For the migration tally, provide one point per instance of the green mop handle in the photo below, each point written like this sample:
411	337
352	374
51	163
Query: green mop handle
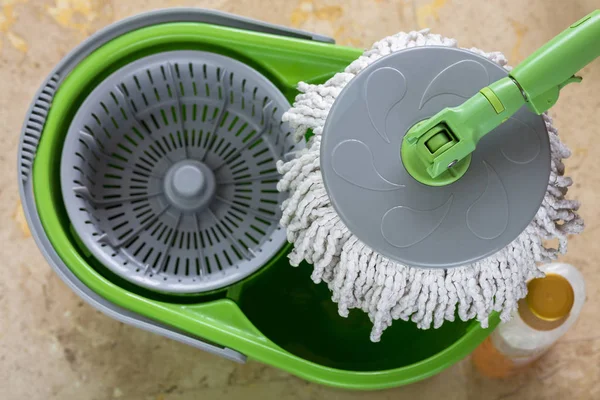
541	76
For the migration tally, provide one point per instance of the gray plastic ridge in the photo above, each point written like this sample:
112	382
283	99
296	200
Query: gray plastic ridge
405	220
33	126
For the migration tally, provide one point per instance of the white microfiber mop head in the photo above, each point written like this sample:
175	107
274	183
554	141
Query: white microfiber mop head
386	290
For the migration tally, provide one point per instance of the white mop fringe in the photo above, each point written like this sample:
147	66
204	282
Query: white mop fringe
360	278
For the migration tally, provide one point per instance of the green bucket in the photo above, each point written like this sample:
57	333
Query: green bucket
276	315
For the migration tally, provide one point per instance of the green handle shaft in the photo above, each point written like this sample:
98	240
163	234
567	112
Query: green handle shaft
552	66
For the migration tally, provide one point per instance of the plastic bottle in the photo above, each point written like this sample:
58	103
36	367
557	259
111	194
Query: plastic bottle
550	308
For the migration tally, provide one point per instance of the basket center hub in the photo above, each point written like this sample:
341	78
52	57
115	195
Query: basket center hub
188	181
189	185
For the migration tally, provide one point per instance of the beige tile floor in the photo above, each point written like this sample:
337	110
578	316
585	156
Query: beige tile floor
53	346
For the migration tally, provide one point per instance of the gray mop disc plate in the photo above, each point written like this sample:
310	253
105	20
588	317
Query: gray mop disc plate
402	219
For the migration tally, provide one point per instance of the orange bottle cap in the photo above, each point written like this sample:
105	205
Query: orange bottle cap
548	303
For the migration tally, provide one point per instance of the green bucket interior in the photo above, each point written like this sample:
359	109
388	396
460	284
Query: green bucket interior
278	315
299	316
